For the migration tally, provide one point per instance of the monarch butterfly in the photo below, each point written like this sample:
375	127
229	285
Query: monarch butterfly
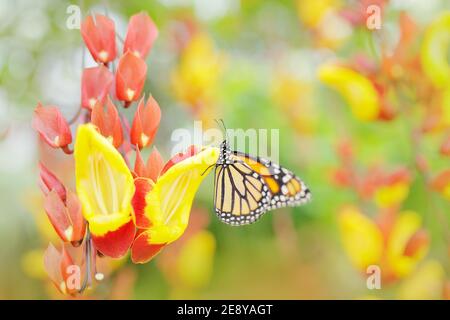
246	187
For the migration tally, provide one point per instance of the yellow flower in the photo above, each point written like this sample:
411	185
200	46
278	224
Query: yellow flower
358	91
396	251
323	17
361	238
169	202
196	77
105	187
311	13
426	283
406	226
434	52
295	97
391	195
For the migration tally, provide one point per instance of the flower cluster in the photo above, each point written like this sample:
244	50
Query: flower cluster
382	91
393	239
115	208
393	86
195	79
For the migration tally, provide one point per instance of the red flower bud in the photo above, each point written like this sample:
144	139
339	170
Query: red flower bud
130	77
99	34
145	123
95	85
140	169
66	218
51	126
153	167
342	177
141	34
108	122
400	175
57	265
387	112
441	181
48	182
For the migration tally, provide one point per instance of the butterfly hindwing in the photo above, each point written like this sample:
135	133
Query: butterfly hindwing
285	188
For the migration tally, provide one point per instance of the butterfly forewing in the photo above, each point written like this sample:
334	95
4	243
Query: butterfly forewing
239	194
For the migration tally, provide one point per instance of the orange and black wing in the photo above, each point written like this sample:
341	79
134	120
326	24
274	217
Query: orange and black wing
247	187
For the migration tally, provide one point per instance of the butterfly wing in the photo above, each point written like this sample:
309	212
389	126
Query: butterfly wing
248	187
240	194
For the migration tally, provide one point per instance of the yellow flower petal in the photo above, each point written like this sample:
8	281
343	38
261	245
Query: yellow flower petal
311	13
358	91
169	202
406	225
391	195
195	79
295	98
104	182
426	283
361	238
434	51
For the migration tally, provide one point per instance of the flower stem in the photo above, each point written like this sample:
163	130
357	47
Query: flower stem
88	260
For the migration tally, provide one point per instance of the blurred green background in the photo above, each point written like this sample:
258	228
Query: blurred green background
259	62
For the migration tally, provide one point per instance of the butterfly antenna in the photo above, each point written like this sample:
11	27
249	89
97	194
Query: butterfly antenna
207	169
221	124
224	128
217	122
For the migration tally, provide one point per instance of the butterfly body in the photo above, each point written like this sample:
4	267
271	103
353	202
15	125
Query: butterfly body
246	187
